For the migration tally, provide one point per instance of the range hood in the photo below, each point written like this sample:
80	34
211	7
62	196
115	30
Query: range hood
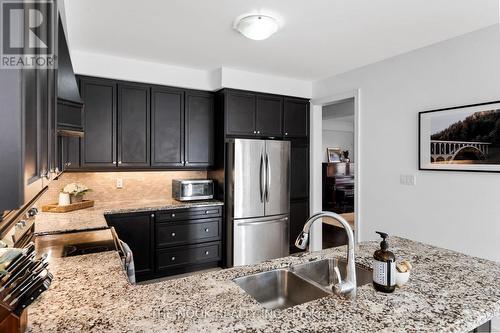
69	103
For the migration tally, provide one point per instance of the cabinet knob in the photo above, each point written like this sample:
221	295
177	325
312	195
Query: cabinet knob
173	214
173	234
173	258
286	133
206	229
254	132
258	132
152	215
207	253
119	162
114	162
187	162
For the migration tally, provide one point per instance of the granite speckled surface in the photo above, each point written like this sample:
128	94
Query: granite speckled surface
93	218
447	292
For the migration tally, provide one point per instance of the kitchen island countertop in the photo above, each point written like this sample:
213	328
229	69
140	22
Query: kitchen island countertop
447	292
93	218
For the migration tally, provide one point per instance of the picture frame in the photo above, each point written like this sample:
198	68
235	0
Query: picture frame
460	138
333	154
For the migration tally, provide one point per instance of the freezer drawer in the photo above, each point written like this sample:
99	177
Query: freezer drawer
260	239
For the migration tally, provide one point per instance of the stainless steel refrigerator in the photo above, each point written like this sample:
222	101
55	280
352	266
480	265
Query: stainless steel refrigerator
258	189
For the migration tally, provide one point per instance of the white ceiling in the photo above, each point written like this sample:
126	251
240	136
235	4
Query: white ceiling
319	38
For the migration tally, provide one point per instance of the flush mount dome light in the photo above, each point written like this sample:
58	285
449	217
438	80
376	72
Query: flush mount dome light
257	27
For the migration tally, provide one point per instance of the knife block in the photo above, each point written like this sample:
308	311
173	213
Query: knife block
11	323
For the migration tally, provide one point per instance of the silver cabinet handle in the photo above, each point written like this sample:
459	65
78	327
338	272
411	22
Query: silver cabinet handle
152	215
187	162
114	162
173	215
207	253
119	162
258	132
286	133
254	132
173	258
206	229
173	234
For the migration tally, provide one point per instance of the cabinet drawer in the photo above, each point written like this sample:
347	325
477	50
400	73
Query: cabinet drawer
189	213
187	255
185	232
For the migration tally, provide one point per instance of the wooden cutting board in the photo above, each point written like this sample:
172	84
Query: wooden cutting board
55	208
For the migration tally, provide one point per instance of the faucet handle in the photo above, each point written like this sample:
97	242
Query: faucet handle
337	286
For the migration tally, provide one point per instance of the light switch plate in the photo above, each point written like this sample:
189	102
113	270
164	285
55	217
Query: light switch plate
119	183
408	180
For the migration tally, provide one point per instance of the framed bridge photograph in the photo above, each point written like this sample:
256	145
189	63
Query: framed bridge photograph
462	138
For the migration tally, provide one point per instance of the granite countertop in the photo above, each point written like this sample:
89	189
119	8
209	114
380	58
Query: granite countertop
447	292
93	218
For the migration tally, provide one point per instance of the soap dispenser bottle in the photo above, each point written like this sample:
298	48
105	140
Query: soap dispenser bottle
384	267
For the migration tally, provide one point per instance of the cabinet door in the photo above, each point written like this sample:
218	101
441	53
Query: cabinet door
167	126
296	117
299	213
299	169
269	115
199	129
69	153
99	142
240	113
32	165
133	125
137	230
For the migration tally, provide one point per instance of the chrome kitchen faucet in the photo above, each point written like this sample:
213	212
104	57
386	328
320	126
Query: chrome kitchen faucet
347	287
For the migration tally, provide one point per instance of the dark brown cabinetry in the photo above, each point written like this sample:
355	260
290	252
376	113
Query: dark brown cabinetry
199	129
137	230
99	143
142	126
173	241
69	152
133	125
253	114
167	127
296	118
240	113
268	115
299	169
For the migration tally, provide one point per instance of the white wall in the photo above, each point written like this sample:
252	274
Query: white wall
114	67
449	209
343	140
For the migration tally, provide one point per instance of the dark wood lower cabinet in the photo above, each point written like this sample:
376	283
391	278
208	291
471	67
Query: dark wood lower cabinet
137	230
172	241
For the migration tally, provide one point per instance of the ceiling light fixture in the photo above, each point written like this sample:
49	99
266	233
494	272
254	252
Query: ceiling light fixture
257	27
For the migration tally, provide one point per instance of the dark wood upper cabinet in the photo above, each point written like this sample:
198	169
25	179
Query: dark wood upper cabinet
199	117
167	127
240	113
69	152
99	142
296	117
133	125
268	115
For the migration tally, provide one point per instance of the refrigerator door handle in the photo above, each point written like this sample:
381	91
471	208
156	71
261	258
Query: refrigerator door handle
268	177
261	176
241	224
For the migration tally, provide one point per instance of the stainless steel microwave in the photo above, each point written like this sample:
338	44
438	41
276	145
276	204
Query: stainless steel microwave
192	189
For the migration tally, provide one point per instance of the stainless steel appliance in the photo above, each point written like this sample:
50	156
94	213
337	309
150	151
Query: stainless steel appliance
192	189
258	192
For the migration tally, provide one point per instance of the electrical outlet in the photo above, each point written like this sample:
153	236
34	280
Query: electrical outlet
119	183
407	180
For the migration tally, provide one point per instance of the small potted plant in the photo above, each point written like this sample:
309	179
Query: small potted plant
76	191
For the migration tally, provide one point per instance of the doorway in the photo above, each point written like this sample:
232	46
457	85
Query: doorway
335	166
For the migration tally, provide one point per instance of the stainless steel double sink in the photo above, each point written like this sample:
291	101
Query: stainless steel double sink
283	288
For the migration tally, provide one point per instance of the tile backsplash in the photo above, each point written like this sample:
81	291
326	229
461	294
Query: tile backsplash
150	185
